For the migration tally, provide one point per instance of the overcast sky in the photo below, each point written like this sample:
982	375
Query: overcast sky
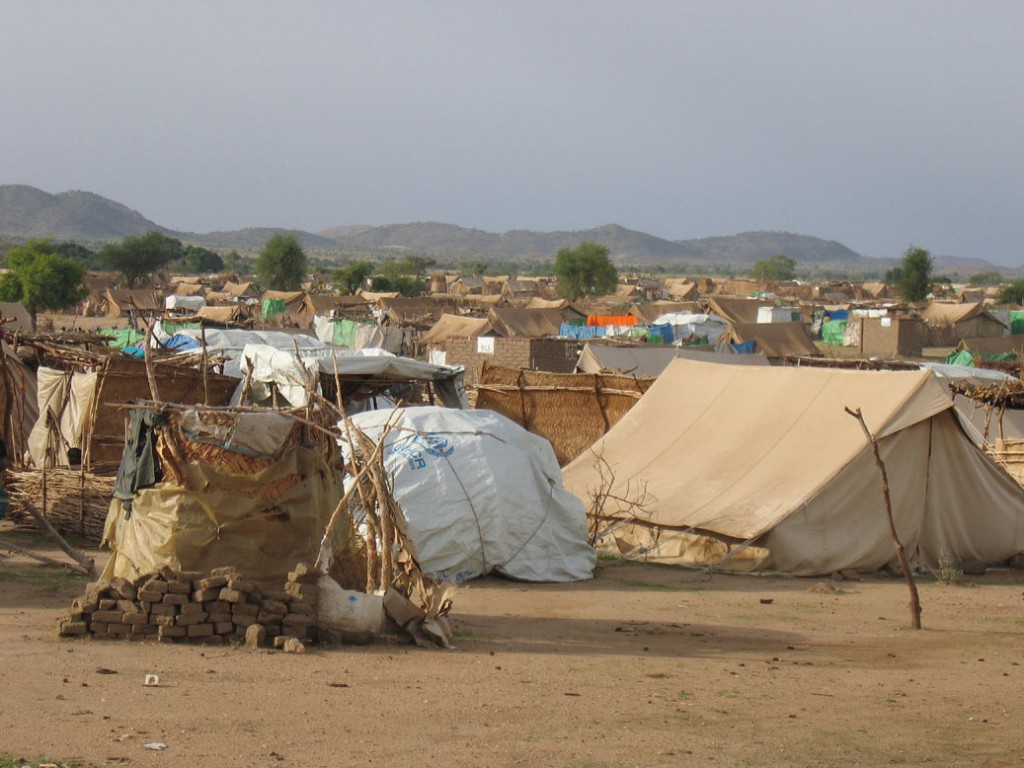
878	124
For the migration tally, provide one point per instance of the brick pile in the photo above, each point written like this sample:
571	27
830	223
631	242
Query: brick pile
182	606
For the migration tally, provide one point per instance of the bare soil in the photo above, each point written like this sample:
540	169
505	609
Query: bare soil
643	666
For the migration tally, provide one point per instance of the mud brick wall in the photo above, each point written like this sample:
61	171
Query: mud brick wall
904	336
553	355
183	606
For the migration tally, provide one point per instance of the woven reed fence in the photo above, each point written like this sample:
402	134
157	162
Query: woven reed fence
571	410
1010	455
74	502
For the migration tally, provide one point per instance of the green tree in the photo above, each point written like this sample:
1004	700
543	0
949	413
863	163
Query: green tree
474	267
585	270
915	276
281	265
197	260
1012	294
42	279
139	257
78	253
353	275
986	278
401	276
778	267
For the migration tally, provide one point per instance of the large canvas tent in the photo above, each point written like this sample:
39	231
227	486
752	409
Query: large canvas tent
761	468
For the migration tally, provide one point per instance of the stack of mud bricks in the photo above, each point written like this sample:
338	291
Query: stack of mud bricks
184	606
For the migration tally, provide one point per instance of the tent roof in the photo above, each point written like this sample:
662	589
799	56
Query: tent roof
17	314
776	339
736	310
997	345
651	361
947	314
758	441
526	322
448	326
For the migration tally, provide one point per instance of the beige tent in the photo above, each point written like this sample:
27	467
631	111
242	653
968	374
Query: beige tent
451	326
776	340
763	467
650	360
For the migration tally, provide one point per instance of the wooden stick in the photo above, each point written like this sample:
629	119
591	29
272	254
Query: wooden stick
915	600
43	558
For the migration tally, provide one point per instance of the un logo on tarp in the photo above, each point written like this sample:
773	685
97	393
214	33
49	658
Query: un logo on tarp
435	445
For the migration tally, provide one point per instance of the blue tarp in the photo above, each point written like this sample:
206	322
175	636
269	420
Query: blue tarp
838	314
664	331
580	331
743	347
181	341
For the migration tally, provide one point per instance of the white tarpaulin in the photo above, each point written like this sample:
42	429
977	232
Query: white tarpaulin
480	493
184	302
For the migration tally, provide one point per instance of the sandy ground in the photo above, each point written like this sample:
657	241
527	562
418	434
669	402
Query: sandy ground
643	666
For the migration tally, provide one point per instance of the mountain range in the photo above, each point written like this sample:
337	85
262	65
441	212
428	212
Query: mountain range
90	219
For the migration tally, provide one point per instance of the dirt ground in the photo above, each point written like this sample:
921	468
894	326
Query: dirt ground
643	666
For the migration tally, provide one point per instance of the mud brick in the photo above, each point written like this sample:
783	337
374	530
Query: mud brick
77	616
72	628
301	591
192	608
276	594
274	606
245	609
268	617
128	606
224	627
168	573
170	632
216	606
145	629
107	604
217	616
118	629
82	605
151	595
255	636
206	595
134	618
233	595
179	587
123	588
154	585
212	640
242	585
200	630
192	576
307	609
95	590
243	622
296	620
162	621
212	582
173	598
228	570
187	619
163	609
303	572
107	617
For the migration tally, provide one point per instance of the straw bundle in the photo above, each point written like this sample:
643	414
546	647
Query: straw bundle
74	502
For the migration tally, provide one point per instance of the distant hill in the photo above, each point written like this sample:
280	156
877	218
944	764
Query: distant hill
90	219
81	216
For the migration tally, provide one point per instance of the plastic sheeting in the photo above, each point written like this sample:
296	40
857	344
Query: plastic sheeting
481	494
687	326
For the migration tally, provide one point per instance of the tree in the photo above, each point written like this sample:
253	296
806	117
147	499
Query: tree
778	267
474	267
401	276
42	279
986	278
281	265
353	275
915	276
197	260
585	270
78	253
1012	294
139	257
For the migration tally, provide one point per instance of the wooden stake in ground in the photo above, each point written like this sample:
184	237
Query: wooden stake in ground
915	600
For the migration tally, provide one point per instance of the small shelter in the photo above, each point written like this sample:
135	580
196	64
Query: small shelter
949	323
775	340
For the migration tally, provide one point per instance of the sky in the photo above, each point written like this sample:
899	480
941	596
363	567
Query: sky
879	124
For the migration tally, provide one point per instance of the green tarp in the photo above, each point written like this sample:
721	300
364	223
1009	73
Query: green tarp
345	333
122	337
833	332
963	357
170	327
272	307
1016	321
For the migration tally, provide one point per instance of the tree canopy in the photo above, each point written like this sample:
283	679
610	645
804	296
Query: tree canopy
138	257
353	275
915	274
585	270
402	276
1012	293
281	265
198	260
778	267
979	279
42	279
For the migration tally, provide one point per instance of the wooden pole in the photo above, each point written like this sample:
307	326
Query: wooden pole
915	600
